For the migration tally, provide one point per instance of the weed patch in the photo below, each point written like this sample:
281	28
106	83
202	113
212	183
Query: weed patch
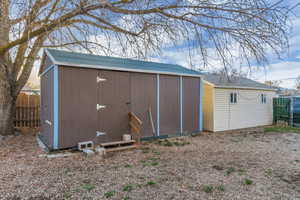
175	142
89	187
151	183
221	188
248	182
128	166
150	162
268	172
208	188
229	171
109	194
128	188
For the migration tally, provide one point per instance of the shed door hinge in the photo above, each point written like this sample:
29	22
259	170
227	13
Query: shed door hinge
99	133
99	79
99	107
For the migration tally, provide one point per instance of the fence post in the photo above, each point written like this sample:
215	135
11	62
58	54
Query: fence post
274	112
292	111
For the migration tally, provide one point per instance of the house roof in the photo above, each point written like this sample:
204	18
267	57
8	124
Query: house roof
59	57
222	81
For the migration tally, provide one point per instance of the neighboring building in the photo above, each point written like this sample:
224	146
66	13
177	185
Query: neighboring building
287	92
236	103
87	98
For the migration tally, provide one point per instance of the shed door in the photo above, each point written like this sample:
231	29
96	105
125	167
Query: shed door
47	107
113	105
78	118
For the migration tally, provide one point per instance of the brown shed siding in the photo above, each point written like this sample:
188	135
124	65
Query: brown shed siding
169	104
191	95
47	108
77	110
143	97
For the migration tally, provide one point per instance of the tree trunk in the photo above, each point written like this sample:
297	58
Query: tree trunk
7	108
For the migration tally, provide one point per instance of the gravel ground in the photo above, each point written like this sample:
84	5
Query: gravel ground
248	164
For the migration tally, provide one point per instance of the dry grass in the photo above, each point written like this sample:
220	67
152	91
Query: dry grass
210	166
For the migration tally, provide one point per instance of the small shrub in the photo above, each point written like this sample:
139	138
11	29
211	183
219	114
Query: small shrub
109	194
248	182
126	198
229	171
208	188
128	166
89	187
151	183
128	188
154	163
221	188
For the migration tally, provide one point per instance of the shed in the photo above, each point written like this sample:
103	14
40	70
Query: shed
236	103
88	97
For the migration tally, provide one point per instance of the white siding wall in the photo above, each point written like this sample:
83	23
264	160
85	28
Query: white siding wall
248	112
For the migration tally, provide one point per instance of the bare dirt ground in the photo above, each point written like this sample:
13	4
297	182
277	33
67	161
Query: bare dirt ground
248	164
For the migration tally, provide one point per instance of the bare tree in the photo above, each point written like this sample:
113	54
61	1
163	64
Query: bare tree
247	28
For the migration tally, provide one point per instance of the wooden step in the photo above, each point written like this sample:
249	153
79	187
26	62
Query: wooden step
121	148
117	143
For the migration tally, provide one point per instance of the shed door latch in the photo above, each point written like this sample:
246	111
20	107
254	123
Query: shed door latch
99	107
99	79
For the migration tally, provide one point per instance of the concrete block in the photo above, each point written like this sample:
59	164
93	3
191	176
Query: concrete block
88	152
101	151
85	145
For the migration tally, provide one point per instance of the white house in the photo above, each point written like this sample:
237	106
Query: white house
236	103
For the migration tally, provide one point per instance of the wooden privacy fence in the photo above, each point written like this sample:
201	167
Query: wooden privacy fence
27	111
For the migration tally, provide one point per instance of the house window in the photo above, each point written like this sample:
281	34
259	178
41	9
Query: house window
233	97
263	98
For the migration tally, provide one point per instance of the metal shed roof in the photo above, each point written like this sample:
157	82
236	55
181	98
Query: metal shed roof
221	81
67	58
